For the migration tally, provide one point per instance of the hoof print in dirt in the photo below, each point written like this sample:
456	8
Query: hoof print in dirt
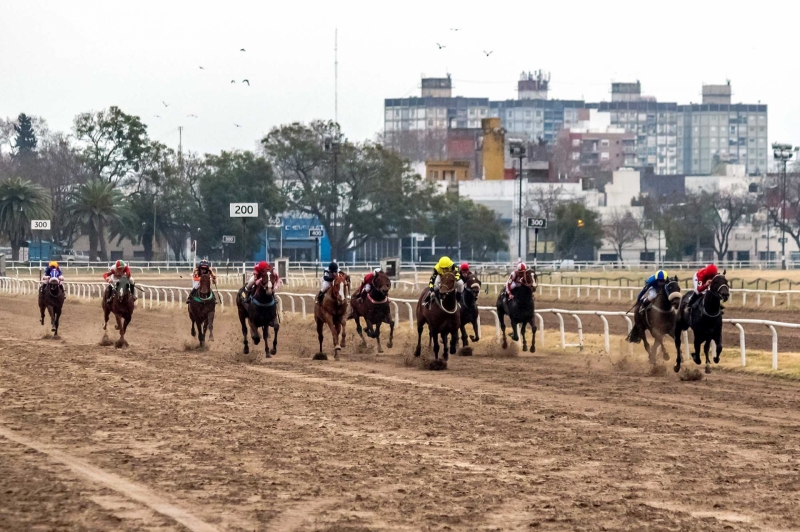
465	352
106	341
692	374
437	364
320	356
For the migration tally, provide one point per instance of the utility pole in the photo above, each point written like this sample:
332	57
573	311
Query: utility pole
517	149
336	75
180	150
782	153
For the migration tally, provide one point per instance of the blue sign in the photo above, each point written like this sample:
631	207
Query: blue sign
294	238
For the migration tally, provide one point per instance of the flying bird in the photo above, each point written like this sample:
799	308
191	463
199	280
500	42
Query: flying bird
242	50
165	103
201	68
233	81
440	46
454	29
237	125
192	116
488	53
157	116
246	81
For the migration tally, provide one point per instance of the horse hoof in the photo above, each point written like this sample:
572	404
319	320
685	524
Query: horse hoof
273	351
716	360
246	350
320	356
416	353
194	334
708	370
696	360
256	340
505	344
665	355
389	345
515	337
676	369
533	349
116	327
267	355
525	348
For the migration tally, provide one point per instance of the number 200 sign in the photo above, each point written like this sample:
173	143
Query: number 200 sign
244	210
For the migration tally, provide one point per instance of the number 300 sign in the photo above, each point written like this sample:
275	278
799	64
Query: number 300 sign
40	225
244	210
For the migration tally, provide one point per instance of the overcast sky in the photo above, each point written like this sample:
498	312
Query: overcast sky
59	58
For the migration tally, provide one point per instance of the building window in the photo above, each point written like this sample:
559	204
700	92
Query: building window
576	156
576	142
604	142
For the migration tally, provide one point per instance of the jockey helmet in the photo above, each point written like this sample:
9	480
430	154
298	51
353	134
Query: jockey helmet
333	267
204	264
261	266
53	264
445	263
712	269
120	264
522	267
464	267
377	270
661	275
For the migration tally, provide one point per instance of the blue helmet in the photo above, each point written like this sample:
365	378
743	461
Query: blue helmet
661	275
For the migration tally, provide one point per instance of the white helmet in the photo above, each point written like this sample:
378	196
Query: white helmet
377	270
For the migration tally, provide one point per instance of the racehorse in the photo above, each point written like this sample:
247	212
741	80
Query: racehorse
261	311
333	313
705	320
658	318
51	297
375	309
441	315
469	308
202	308
520	309
121	304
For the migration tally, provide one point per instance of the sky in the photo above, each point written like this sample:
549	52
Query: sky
60	58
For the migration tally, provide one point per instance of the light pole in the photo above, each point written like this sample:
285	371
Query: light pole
782	153
332	145
517	149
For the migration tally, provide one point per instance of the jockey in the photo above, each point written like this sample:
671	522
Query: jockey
651	287
463	270
444	265
53	271
204	267
258	269
327	279
117	271
366	284
515	276
702	279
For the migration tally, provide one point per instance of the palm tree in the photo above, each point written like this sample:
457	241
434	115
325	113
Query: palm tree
94	206
20	202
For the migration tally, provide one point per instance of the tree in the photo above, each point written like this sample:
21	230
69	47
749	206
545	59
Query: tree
772	200
20	202
95	206
25	141
359	192
728	208
621	230
579	230
112	143
231	177
481	230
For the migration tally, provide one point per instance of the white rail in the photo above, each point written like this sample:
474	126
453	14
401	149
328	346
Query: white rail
165	297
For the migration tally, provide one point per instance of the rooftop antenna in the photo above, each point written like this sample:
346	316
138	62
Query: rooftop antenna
336	75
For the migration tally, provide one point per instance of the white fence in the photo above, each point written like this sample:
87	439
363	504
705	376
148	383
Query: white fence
165	297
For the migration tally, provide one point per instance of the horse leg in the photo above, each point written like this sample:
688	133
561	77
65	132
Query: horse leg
41	310
193	331
696	354
453	343
254	332
244	334
514	333
275	328
359	330
420	326
650	353
464	339
678	356
201	334
335	332
533	335
106	313
435	339
378	337
211	326
524	327
706	347
502	317
51	313
319	334
477	336
265	330
391	332
343	332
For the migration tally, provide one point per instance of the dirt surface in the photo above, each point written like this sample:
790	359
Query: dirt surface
160	436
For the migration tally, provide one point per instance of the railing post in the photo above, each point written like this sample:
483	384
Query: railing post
561	328
541	327
410	317
741	343
606	339
580	331
498	334
774	347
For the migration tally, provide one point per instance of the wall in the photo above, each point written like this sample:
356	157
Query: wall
493	149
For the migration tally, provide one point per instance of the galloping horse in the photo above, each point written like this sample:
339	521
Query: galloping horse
202	308
658	318
469	308
441	315
333	313
51	297
520	309
705	320
121	304
375	310
261	311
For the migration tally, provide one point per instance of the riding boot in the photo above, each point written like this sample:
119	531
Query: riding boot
319	297
643	304
191	295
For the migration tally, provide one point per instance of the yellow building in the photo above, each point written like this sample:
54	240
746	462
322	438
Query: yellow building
450	171
494	140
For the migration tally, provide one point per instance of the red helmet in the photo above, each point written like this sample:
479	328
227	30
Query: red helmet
712	269
521	267
464	266
261	266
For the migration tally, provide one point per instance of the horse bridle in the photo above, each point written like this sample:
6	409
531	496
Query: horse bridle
716	292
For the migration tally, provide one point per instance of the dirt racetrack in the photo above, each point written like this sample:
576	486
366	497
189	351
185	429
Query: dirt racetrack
162	437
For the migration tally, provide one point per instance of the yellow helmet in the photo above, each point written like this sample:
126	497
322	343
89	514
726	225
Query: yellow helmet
53	264
445	263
